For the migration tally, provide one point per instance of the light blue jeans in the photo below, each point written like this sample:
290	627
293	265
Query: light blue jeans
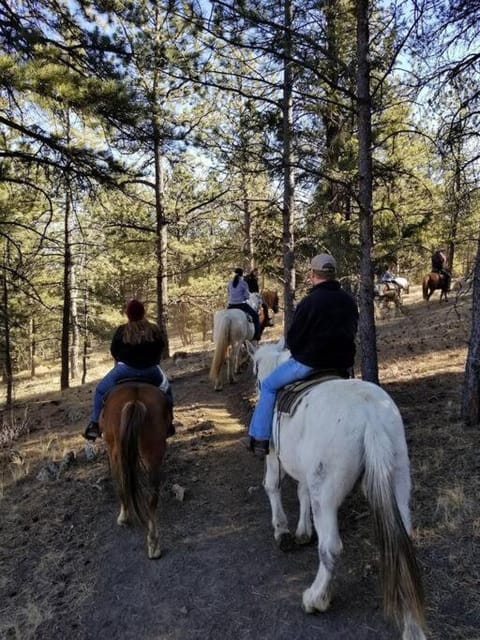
119	372
262	418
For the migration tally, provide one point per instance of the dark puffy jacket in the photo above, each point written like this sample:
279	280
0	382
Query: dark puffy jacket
252	282
438	261
322	334
138	356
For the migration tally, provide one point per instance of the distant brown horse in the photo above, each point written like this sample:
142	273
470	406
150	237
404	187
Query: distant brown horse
433	281
270	298
134	425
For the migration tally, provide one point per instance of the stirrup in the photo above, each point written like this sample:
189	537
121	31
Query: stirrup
261	448
92	432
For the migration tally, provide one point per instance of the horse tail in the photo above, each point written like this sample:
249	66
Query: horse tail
401	581
221	336
425	287
131	468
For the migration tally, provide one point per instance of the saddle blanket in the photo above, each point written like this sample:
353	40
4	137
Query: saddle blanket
289	397
163	386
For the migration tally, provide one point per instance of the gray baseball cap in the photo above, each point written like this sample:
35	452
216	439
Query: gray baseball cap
324	262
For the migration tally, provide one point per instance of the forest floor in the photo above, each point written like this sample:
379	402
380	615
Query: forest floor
68	571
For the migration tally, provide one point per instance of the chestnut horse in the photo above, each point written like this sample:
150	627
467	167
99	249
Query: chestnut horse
270	298
134	423
433	281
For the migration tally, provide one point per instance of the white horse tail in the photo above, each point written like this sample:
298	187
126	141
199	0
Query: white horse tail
221	331
401	581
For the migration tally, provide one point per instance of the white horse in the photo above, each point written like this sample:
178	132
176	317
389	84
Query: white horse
340	431
402	283
231	329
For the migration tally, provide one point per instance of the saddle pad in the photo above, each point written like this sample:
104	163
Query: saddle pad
127	381
289	396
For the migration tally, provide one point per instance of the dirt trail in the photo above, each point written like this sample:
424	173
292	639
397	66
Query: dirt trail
68	571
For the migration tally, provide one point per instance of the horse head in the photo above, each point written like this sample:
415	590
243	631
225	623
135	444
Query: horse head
267	357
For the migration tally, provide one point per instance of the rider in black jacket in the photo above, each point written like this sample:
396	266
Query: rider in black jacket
322	333
321	337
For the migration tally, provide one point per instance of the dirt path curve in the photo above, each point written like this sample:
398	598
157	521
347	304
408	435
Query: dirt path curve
71	572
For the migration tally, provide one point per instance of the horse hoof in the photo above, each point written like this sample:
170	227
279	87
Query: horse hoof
305	539
286	542
315	605
154	553
123	519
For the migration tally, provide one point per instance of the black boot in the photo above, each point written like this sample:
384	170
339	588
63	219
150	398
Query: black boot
92	432
260	448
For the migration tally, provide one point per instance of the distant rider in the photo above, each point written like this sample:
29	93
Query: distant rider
252	281
439	263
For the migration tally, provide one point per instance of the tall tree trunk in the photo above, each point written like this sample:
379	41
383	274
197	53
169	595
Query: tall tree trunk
471	383
161	239
161	242
369	364
75	346
7	368
85	335
67	268
33	345
249	246
458	204
288	172
337	197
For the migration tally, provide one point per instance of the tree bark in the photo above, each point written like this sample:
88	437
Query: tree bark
367	331
7	367
161	241
75	346
67	268
33	346
288	243
471	384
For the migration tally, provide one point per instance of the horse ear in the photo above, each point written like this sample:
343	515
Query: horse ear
251	349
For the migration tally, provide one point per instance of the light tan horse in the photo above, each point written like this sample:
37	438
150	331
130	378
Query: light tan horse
230	330
134	424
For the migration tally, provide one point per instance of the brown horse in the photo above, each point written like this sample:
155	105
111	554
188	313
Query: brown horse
433	281
134	424
270	298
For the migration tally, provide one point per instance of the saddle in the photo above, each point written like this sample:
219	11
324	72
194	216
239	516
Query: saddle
391	285
238	306
125	381
288	398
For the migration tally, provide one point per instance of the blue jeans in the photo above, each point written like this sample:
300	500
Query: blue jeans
119	372
289	371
